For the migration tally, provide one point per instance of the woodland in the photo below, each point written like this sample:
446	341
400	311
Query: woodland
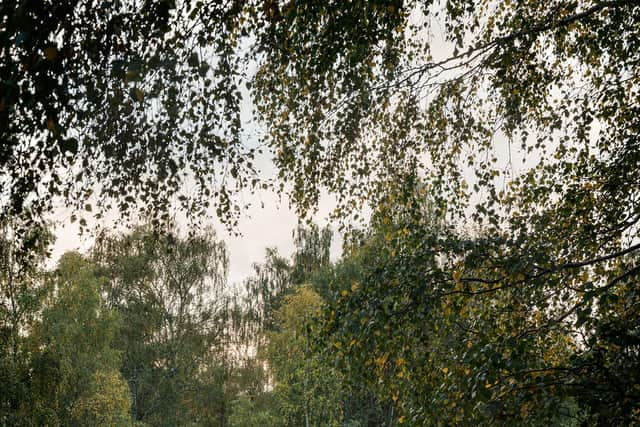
482	158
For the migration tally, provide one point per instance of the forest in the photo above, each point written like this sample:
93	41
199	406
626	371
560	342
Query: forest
481	160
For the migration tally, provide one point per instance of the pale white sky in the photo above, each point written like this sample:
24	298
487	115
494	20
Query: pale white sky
261	228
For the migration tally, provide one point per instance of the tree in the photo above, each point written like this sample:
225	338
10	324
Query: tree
22	288
306	392
245	414
277	277
312	252
447	325
168	290
294	384
359	101
541	82
129	99
107	402
441	354
355	96
359	95
74	377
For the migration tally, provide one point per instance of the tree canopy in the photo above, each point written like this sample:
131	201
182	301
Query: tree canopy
142	97
129	99
496	143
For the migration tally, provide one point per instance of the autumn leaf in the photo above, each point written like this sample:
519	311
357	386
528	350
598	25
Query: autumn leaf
138	94
51	53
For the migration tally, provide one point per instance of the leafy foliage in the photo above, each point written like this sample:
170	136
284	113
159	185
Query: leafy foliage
300	386
355	96
70	369
138	97
451	329
168	292
22	289
510	294
306	391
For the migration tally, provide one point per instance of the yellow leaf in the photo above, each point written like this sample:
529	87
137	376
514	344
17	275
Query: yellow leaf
456	275
139	94
51	53
401	419
130	76
382	360
354	286
445	370
344	293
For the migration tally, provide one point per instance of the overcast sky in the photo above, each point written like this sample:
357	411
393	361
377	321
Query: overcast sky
261	228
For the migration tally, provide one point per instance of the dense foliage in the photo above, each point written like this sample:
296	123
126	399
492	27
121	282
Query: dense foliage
142	97
145	331
58	365
496	144
301	386
168	292
129	99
